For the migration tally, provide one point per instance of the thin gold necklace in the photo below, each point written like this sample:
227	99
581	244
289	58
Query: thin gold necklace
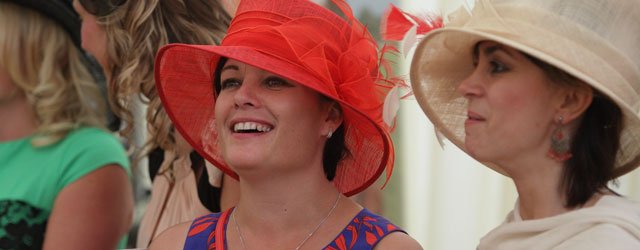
335	204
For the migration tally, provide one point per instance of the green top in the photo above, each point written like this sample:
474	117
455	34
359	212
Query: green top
32	177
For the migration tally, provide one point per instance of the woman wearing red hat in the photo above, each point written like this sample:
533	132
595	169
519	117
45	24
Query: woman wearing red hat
64	179
291	103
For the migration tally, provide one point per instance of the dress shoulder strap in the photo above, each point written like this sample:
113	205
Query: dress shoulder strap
204	231
364	232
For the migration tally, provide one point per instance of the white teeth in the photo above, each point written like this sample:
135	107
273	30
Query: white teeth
245	126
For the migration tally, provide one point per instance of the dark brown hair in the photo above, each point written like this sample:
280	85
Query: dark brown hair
594	145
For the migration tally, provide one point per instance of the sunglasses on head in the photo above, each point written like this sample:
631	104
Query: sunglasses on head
101	7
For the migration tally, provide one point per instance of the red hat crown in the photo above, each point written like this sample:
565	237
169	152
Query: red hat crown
341	55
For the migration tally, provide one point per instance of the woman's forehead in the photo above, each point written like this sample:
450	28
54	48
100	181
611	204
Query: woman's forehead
232	65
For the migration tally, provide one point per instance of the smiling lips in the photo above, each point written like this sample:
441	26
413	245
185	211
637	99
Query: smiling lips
251	127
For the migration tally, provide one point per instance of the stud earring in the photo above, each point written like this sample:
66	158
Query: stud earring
560	150
329	134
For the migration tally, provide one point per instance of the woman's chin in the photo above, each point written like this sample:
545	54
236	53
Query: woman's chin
241	164
474	151
470	148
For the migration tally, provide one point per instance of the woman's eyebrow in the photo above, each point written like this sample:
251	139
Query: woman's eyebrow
229	67
495	48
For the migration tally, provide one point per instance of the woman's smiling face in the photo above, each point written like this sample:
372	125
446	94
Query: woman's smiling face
265	119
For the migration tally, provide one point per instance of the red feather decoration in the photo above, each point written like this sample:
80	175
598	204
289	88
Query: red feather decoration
396	23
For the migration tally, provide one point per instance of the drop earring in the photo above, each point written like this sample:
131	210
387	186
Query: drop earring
560	150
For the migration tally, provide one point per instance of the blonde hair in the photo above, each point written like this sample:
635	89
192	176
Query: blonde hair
135	32
43	62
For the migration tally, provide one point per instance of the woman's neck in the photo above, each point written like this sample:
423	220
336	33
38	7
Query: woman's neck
540	189
538	182
279	212
19	119
543	201
284	200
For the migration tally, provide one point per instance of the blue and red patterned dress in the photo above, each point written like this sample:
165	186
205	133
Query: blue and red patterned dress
364	231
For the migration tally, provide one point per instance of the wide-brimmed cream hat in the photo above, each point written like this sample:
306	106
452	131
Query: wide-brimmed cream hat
597	41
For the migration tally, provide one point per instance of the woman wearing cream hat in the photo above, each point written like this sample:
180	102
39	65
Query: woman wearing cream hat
546	92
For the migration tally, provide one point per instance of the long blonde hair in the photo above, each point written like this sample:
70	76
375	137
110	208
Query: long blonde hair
135	32
43	62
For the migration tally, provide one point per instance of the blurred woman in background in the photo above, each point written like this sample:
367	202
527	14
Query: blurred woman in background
64	180
125	36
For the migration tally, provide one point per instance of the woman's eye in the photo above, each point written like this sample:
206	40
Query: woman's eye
230	83
276	83
498	67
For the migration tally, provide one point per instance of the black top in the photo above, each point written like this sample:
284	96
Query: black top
209	195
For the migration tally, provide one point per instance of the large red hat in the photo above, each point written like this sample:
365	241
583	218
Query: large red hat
305	43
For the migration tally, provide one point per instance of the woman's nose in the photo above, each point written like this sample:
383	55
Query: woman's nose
471	86
247	94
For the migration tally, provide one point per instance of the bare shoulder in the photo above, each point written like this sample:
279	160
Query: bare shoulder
398	240
171	239
103	197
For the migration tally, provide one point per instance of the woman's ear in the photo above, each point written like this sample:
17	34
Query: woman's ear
576	99
334	118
